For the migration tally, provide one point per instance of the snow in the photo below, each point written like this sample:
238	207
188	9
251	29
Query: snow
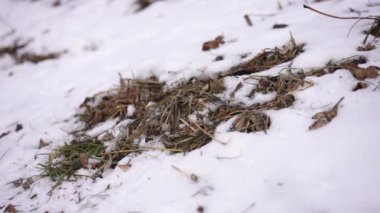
289	169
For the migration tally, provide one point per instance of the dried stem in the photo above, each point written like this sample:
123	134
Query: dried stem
376	18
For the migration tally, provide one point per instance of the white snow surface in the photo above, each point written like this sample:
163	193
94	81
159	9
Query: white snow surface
334	169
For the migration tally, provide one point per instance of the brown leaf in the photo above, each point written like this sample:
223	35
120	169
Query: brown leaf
362	73
360	85
26	185
213	44
83	157
124	167
367	47
42	144
10	209
323	118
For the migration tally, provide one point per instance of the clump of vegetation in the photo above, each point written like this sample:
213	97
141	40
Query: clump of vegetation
19	55
251	121
268	58
115	103
182	118
66	160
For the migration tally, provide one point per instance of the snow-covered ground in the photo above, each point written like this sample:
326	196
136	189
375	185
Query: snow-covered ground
333	169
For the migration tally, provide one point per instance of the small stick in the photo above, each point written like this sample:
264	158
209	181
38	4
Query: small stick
248	20
340	17
192	177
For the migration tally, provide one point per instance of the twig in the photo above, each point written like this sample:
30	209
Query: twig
192	176
248	20
144	148
376	18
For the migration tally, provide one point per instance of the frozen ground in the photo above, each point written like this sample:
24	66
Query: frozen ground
335	169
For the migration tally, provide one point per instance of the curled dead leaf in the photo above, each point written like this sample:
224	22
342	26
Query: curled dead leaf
360	85
323	118
251	121
213	44
10	209
362	73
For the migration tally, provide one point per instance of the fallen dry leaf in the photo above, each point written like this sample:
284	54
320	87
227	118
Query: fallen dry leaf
26	185
323	118
360	85
10	209
362	73
42	144
213	44
124	167
83	157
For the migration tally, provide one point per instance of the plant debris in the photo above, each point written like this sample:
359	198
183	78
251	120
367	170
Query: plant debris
367	47
213	44
323	118
360	85
251	121
280	102
331	66
114	104
268	59
362	73
4	134
248	20
281	84
181	118
10	209
200	209
19	55
42	144
279	26
219	58
18	127
375	28
143	4
27	183
191	176
66	160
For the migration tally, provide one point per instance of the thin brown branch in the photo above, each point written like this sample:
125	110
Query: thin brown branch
341	17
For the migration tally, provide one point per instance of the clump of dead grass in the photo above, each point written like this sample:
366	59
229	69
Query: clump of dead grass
115	103
268	58
332	66
251	121
182	118
19	55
